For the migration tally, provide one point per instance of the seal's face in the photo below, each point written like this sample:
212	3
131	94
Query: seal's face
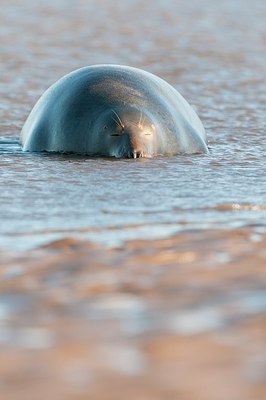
129	133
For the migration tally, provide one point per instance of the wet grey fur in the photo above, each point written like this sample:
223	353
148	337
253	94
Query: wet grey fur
110	110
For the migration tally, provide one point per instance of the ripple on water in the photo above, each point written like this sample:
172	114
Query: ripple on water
48	197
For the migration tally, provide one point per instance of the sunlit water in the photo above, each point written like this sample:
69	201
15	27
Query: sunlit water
213	58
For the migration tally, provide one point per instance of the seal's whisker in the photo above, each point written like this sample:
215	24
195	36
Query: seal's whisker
119	119
117	122
135	123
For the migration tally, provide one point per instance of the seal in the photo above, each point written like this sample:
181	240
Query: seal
113	111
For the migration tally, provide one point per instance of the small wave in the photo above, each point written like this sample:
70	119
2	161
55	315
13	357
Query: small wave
8	140
227	207
239	207
9	145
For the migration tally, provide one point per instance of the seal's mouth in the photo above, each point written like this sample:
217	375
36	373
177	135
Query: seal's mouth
132	154
136	154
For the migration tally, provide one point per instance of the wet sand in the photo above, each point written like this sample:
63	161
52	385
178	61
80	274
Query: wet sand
177	318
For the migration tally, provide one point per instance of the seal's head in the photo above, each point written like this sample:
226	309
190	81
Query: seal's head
127	133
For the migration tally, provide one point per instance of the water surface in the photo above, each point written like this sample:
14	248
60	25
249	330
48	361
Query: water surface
204	51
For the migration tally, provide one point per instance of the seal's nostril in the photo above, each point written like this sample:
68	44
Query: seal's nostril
137	154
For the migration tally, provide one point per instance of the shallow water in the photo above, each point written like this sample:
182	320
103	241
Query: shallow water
47	197
211	57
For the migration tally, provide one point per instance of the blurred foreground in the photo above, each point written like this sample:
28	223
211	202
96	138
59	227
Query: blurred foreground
177	318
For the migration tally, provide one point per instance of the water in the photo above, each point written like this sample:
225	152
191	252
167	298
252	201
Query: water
211	57
46	197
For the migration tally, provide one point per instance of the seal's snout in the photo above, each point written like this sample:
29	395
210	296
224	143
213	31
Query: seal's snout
138	146
129	133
